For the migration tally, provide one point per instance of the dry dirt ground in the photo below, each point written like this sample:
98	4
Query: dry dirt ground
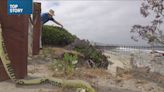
101	80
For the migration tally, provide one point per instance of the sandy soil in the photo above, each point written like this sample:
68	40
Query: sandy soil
101	80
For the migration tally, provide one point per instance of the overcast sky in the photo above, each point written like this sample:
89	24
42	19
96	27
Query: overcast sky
105	21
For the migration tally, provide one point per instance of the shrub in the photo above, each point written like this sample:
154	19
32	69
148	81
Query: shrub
67	65
70	62
90	52
93	54
53	35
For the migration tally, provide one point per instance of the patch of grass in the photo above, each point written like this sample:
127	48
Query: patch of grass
57	65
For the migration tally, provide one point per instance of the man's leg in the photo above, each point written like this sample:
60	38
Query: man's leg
30	38
41	37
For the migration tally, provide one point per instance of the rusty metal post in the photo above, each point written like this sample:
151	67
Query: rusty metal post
36	28
15	32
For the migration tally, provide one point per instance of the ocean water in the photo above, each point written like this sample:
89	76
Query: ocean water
142	57
140	49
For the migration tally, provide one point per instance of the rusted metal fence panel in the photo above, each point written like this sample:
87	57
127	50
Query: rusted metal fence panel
36	27
15	32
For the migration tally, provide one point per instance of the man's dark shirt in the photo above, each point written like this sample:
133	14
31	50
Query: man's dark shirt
45	18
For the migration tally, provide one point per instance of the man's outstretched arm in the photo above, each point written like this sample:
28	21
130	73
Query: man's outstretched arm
57	23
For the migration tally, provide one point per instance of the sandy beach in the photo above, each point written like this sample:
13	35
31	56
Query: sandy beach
101	80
